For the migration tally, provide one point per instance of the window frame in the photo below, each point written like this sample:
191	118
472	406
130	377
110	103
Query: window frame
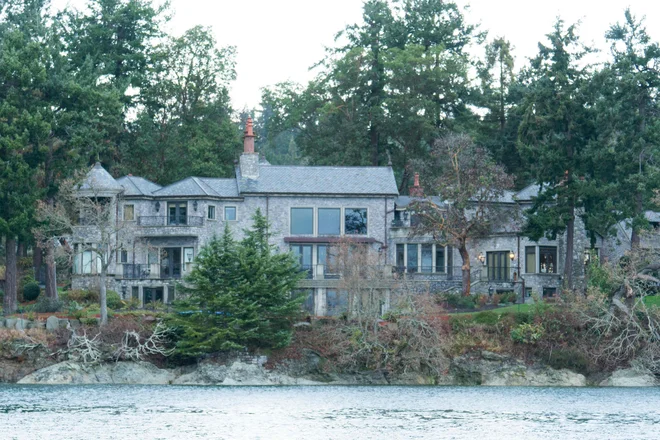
224	213
313	222
555	253
211	212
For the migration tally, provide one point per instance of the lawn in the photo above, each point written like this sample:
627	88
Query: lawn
652	301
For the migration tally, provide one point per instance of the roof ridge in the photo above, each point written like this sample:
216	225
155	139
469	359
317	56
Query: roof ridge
133	183
197	181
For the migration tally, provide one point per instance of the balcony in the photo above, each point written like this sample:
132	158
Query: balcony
161	220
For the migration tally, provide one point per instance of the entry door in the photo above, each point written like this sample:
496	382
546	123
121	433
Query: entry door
152	294
303	253
498	266
177	213
170	263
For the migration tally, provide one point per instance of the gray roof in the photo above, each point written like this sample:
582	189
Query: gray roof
528	192
99	180
137	186
321	180
200	186
403	201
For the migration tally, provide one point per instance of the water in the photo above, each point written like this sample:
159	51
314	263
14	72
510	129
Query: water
355	413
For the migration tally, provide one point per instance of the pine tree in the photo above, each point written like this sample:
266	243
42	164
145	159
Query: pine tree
239	295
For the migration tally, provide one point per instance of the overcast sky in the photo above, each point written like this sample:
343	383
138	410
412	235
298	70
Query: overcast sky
279	40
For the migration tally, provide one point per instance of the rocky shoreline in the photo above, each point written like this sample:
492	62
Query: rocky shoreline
482	368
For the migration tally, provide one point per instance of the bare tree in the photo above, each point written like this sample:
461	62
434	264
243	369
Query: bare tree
85	215
469	185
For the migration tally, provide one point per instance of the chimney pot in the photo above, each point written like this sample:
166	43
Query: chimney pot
248	140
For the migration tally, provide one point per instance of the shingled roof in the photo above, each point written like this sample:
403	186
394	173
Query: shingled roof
199	186
137	186
99	181
320	180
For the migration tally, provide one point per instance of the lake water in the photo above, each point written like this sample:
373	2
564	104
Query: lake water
355	413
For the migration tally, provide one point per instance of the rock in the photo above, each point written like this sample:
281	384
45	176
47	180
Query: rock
492	369
11	322
63	323
21	324
2	322
203	374
75	323
631	377
52	323
38	324
137	373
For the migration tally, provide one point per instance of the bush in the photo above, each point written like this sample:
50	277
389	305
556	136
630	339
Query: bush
31	291
2	296
458	301
81	296
113	300
527	333
496	299
482	300
487	318
47	305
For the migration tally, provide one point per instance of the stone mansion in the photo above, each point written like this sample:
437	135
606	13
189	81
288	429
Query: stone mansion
310	209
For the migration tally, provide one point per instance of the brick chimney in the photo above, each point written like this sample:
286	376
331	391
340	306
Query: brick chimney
416	190
249	163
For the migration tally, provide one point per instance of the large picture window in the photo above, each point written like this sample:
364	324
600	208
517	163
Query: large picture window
329	221
230	213
302	221
355	221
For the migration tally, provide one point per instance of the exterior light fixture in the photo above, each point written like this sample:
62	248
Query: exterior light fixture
157	206
481	257
195	205
512	255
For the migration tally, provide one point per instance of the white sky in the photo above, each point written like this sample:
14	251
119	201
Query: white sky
279	40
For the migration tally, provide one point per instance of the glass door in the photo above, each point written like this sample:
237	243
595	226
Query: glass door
170	263
177	213
498	265
303	253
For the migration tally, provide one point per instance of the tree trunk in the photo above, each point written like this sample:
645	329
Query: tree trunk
103	297
634	237
570	245
465	268
51	273
10	303
37	260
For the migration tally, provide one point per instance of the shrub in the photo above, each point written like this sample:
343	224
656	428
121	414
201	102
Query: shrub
522	318
459	301
81	296
90	322
482	300
2	296
113	300
31	291
131	304
527	333
496	299
487	318
47	305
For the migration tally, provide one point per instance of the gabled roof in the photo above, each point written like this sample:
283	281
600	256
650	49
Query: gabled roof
99	181
404	201
137	186
321	180
199	186
529	192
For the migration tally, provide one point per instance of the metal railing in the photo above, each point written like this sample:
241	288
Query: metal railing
161	220
499	274
136	271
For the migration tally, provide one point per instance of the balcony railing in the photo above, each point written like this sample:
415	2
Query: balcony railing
162	220
499	274
151	271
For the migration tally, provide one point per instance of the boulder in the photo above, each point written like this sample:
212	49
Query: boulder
69	372
21	324
2	322
52	323
63	323
11	322
205	373
631	377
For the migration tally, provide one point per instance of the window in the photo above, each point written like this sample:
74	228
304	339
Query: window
439	259
303	253
302	221
548	259
415	220
355	221
329	222
549	291
400	257
188	257
122	256
498	265
211	212
135	292
427	258
337	302
87	262
152	256
528	292
230	213
177	213
129	212
530	259
413	258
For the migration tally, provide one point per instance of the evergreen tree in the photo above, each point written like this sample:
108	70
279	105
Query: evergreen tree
239	295
556	128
